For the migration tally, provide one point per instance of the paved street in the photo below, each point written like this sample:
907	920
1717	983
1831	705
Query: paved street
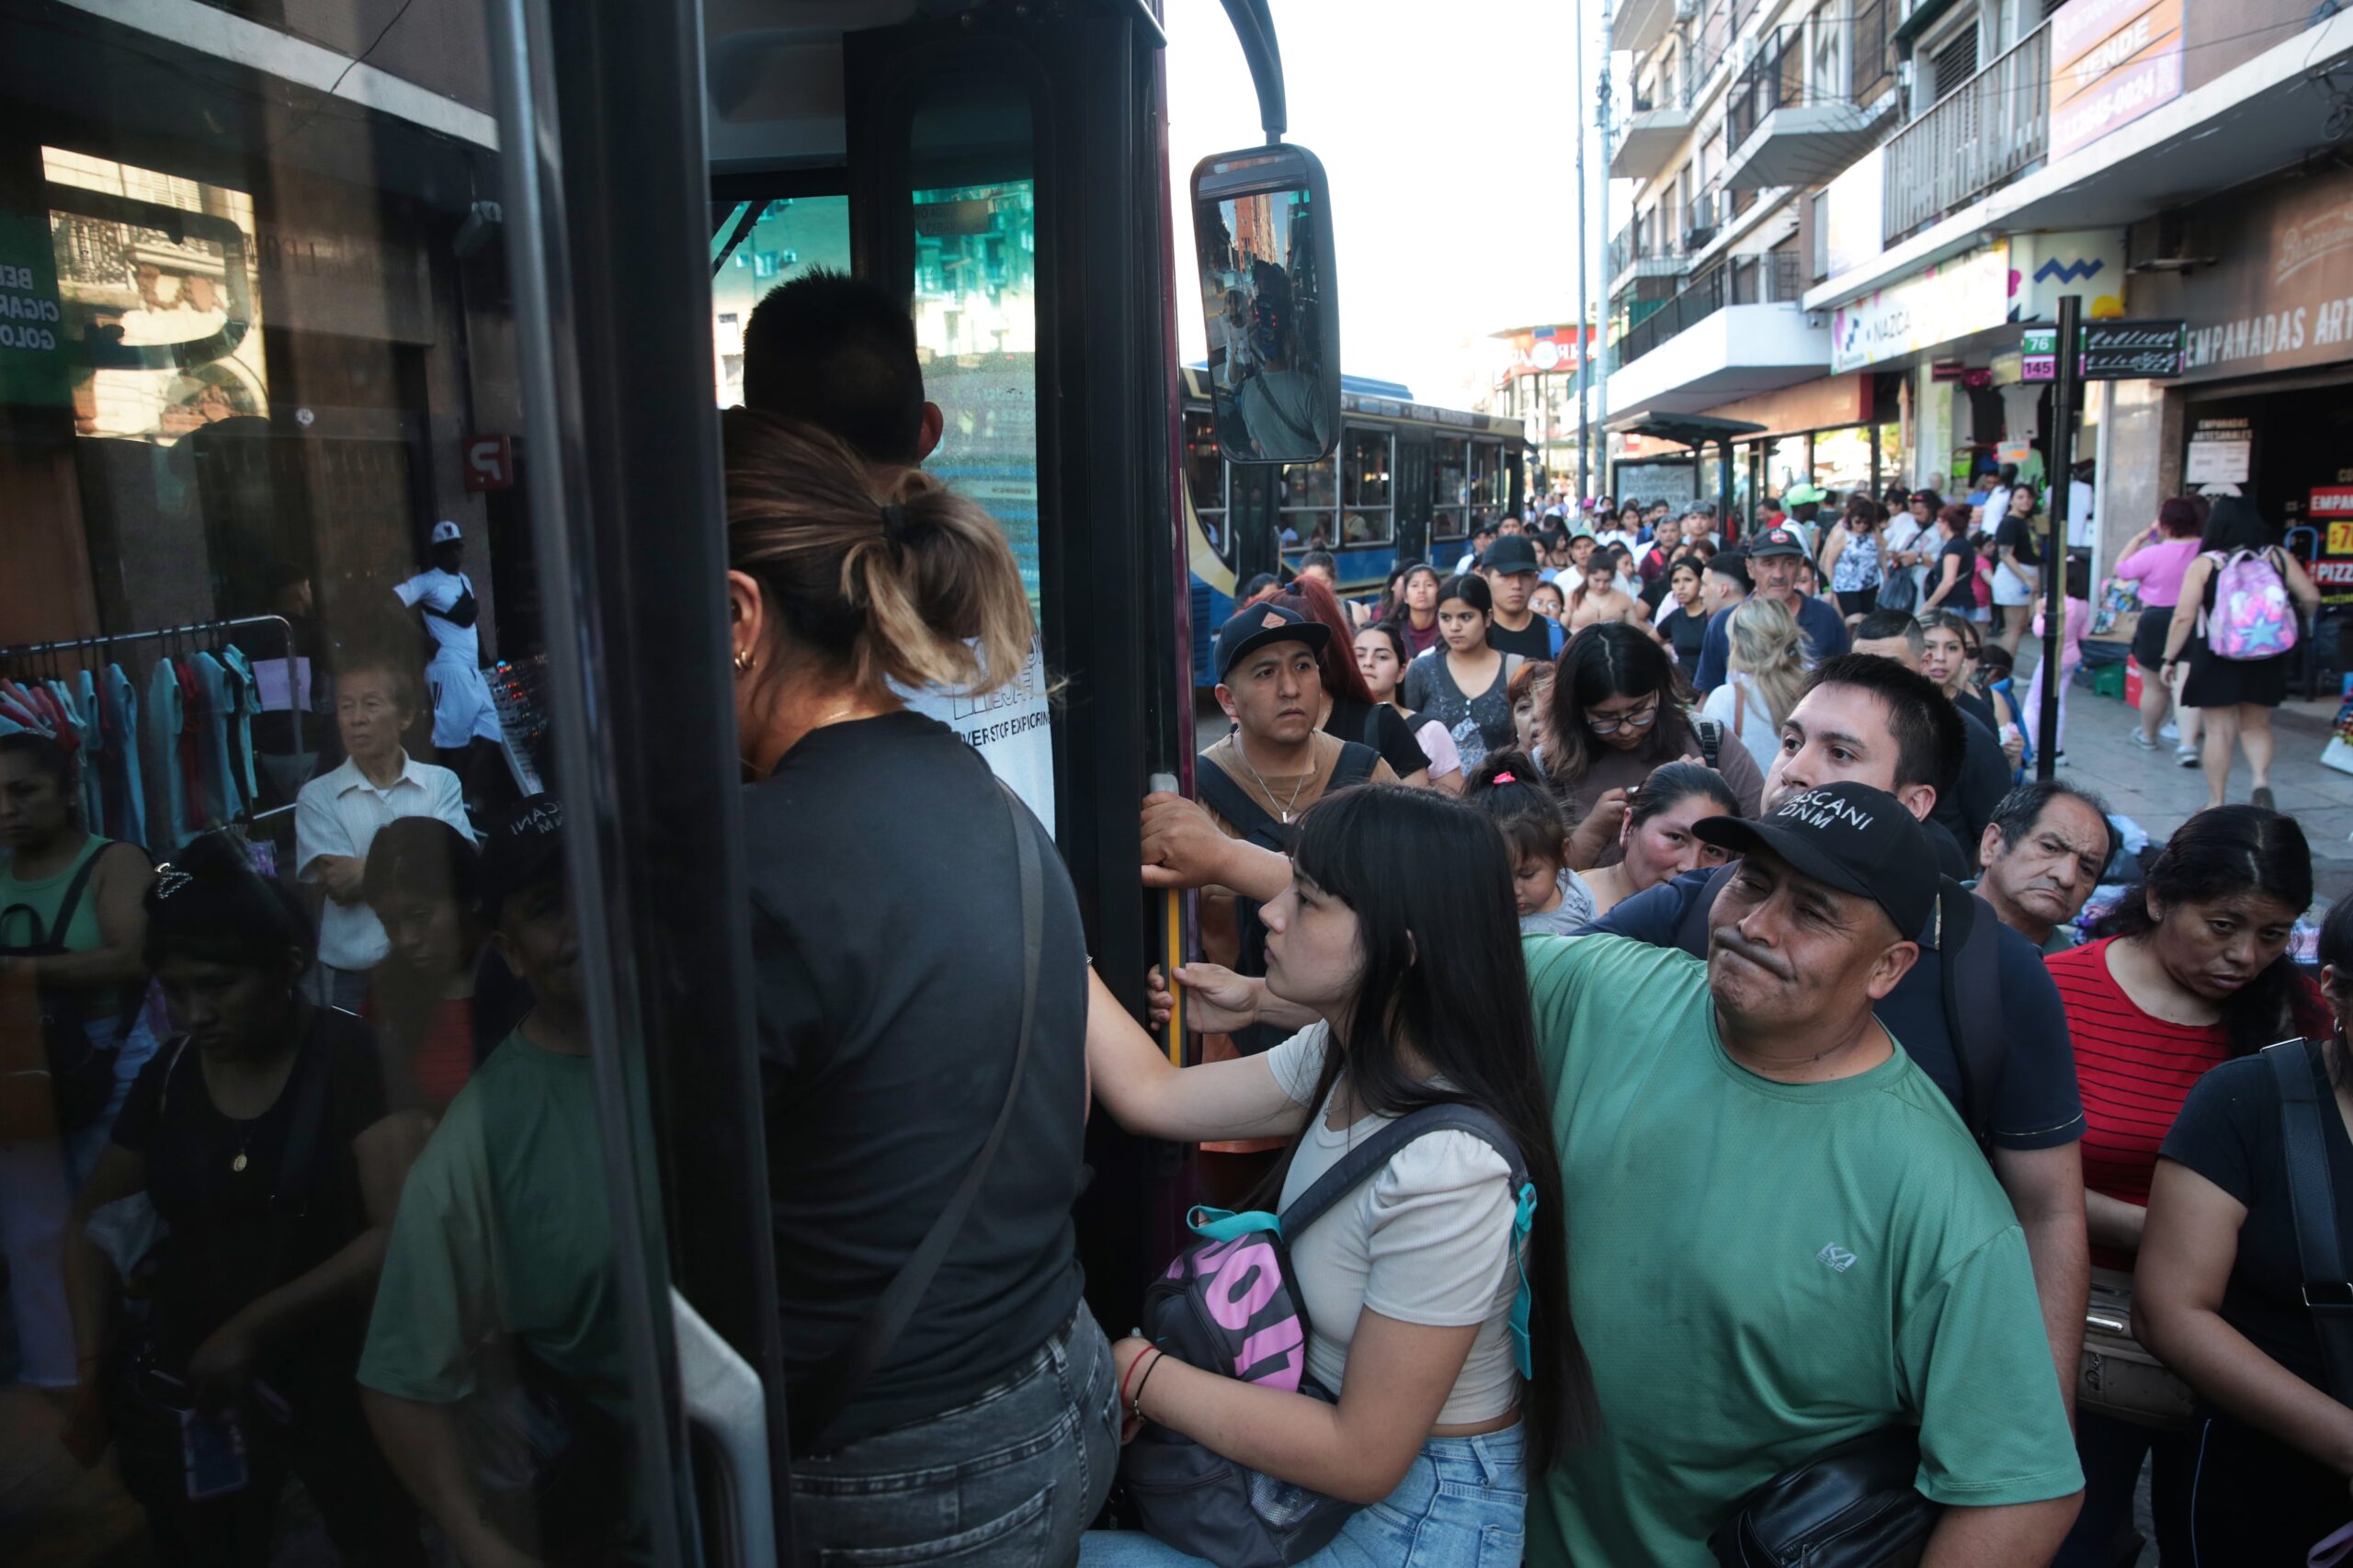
2149	788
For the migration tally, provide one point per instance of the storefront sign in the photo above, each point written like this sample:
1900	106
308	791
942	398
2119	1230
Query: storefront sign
33	335
1968	295
2088	263
2133	350
2111	62
2221	451
2108	351
2279	293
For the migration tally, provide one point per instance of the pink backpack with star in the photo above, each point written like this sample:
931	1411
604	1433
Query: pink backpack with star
2253	617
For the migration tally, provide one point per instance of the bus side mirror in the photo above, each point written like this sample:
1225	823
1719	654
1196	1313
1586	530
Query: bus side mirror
1262	218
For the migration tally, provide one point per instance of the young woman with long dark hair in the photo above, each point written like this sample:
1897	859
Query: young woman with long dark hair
1409	1321
2190	971
1617	712
1351	711
1465	685
2220	1295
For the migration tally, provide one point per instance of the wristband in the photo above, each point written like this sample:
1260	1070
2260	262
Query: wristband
1136	1409
1138	1361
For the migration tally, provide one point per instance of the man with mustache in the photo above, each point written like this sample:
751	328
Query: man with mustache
1871	720
2043	853
1782	1236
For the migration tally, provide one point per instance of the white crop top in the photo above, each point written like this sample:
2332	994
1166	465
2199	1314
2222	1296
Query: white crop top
1426	1240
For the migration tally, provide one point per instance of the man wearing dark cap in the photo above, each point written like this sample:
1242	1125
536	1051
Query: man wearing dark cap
1254	783
504	1231
1784	1238
1774	557
1511	569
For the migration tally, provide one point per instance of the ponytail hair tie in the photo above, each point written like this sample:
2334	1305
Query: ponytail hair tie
895	524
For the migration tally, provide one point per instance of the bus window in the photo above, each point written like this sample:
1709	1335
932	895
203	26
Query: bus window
1447	494
1365	515
1308	493
761	243
1205	476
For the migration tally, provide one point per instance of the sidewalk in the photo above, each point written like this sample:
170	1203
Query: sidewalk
2152	790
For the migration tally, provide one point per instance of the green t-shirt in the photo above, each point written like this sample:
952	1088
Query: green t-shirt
503	1226
1759	1270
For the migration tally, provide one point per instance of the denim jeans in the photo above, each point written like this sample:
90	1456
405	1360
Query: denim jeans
1010	1480
1462	1505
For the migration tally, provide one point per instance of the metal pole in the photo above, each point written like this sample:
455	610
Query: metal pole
1585	423
2063	390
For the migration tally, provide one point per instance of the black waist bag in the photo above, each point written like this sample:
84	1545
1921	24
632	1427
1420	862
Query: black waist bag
1849	1506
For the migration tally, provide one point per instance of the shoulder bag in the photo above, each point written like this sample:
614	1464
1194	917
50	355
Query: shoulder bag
1231	1305
2311	1204
832	1387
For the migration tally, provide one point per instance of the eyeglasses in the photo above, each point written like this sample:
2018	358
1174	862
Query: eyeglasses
1642	719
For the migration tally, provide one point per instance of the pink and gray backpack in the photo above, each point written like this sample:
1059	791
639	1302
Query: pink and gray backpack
2253	617
1228	1305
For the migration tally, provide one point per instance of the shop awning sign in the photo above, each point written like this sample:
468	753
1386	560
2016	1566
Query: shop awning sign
2111	351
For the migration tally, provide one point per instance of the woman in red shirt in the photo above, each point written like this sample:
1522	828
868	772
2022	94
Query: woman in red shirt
421	881
2192	971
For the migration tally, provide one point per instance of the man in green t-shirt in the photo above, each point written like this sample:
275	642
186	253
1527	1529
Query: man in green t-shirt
503	1241
1781	1235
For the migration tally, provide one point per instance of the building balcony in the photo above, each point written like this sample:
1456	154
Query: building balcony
1736	332
1638	25
1784	131
1978	138
1649	141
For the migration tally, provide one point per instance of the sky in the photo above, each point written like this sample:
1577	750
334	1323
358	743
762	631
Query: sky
1445	132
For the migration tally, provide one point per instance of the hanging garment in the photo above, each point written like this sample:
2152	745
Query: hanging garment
164	720
127	797
224	799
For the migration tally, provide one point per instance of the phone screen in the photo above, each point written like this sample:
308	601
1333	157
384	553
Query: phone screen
215	1453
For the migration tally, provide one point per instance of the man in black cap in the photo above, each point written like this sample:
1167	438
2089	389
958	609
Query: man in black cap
1254	784
1512	572
504	1230
1774	557
1775	1201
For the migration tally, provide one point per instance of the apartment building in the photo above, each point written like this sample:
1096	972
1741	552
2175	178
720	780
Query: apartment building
1851	213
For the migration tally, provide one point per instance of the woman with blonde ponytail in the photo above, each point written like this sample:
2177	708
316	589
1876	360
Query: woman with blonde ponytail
894	982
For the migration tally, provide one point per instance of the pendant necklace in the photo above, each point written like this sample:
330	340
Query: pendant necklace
1240	751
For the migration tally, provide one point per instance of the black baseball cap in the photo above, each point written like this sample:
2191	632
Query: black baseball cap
1845	836
1776	541
1255	626
525	849
1513	552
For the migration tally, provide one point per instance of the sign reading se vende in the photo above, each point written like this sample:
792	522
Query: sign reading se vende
2111	62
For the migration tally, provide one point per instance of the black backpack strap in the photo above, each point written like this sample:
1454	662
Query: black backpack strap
1969	955
1691	935
2312	1203
1356	764
1359	1164
1220	792
837	1381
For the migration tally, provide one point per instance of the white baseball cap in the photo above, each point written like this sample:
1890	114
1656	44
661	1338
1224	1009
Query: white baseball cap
446	532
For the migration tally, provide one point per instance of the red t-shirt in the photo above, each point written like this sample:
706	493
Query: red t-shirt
2133	1071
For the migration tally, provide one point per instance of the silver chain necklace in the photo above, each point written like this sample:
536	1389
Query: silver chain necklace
1242	752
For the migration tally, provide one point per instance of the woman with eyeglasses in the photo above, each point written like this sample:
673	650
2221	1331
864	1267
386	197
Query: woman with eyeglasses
1618	713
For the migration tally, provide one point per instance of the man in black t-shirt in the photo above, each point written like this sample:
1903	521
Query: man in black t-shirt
1511	570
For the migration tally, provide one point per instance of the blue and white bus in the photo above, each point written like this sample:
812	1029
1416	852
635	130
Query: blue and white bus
1407	481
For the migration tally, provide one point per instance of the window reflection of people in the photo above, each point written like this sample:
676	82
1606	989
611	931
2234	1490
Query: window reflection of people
260	1137
1280	404
500	1266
